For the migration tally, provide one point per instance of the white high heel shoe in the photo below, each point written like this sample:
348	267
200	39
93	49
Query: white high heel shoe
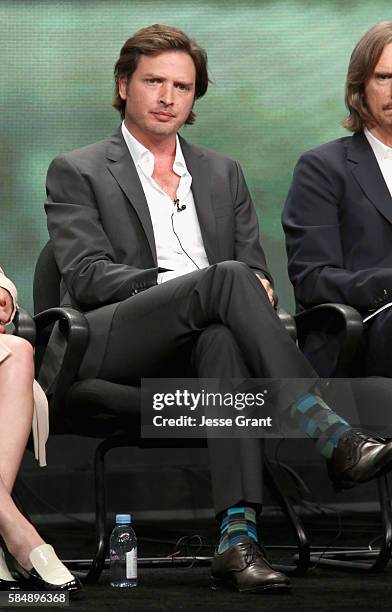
48	572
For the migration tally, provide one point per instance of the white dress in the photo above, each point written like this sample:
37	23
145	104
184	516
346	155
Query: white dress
40	424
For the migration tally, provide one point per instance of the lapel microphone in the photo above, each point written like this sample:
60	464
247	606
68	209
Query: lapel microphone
176	203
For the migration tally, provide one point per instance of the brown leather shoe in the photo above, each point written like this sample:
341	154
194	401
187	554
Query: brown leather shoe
358	458
245	567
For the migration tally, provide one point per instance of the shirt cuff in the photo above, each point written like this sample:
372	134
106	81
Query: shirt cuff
165	276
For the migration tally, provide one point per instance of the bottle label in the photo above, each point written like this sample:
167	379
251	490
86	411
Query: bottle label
131	564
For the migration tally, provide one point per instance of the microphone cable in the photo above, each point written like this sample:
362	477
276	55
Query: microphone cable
176	203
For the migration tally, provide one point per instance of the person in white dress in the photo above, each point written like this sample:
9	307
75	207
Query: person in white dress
23	407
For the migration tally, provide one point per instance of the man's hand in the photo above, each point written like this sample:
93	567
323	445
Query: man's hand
268	288
6	308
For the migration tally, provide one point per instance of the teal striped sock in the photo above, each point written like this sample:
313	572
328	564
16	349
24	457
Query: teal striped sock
237	523
314	417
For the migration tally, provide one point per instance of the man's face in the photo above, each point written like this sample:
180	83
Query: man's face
159	95
378	94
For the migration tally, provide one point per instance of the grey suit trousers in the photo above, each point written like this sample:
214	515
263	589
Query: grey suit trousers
220	321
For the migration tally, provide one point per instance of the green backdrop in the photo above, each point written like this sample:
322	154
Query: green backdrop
278	71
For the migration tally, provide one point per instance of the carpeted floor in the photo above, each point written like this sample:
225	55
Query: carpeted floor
168	590
176	589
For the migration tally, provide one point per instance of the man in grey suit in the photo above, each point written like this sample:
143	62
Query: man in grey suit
158	242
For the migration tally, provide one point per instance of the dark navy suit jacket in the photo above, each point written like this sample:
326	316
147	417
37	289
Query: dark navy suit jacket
338	225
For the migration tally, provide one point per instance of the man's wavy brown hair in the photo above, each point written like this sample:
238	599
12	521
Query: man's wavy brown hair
363	61
154	40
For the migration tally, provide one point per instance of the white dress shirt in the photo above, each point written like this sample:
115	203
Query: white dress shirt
383	155
178	239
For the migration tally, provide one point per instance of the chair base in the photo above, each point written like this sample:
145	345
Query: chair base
298	568
149	562
362	559
352	559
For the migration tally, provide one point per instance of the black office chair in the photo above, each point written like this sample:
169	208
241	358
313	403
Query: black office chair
110	411
371	395
24	325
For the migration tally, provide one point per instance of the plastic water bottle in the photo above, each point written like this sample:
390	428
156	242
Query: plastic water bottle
123	553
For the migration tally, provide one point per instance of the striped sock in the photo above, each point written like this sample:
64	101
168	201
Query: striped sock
237	523
319	422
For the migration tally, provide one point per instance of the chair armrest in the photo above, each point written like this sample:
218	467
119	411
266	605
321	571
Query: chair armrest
24	325
288	321
333	318
74	327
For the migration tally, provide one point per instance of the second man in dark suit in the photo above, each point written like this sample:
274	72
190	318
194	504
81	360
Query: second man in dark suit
338	213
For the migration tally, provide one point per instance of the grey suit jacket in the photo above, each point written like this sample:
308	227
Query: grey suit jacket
101	230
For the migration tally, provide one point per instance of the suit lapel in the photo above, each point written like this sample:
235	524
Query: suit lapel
199	169
367	173
123	169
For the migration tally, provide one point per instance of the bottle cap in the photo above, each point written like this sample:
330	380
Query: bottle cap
123	518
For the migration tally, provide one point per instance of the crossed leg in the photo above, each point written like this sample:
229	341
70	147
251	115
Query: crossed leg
16	411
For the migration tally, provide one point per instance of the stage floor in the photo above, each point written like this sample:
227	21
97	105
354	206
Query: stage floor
188	588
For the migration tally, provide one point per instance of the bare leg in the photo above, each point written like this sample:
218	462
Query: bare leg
16	410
